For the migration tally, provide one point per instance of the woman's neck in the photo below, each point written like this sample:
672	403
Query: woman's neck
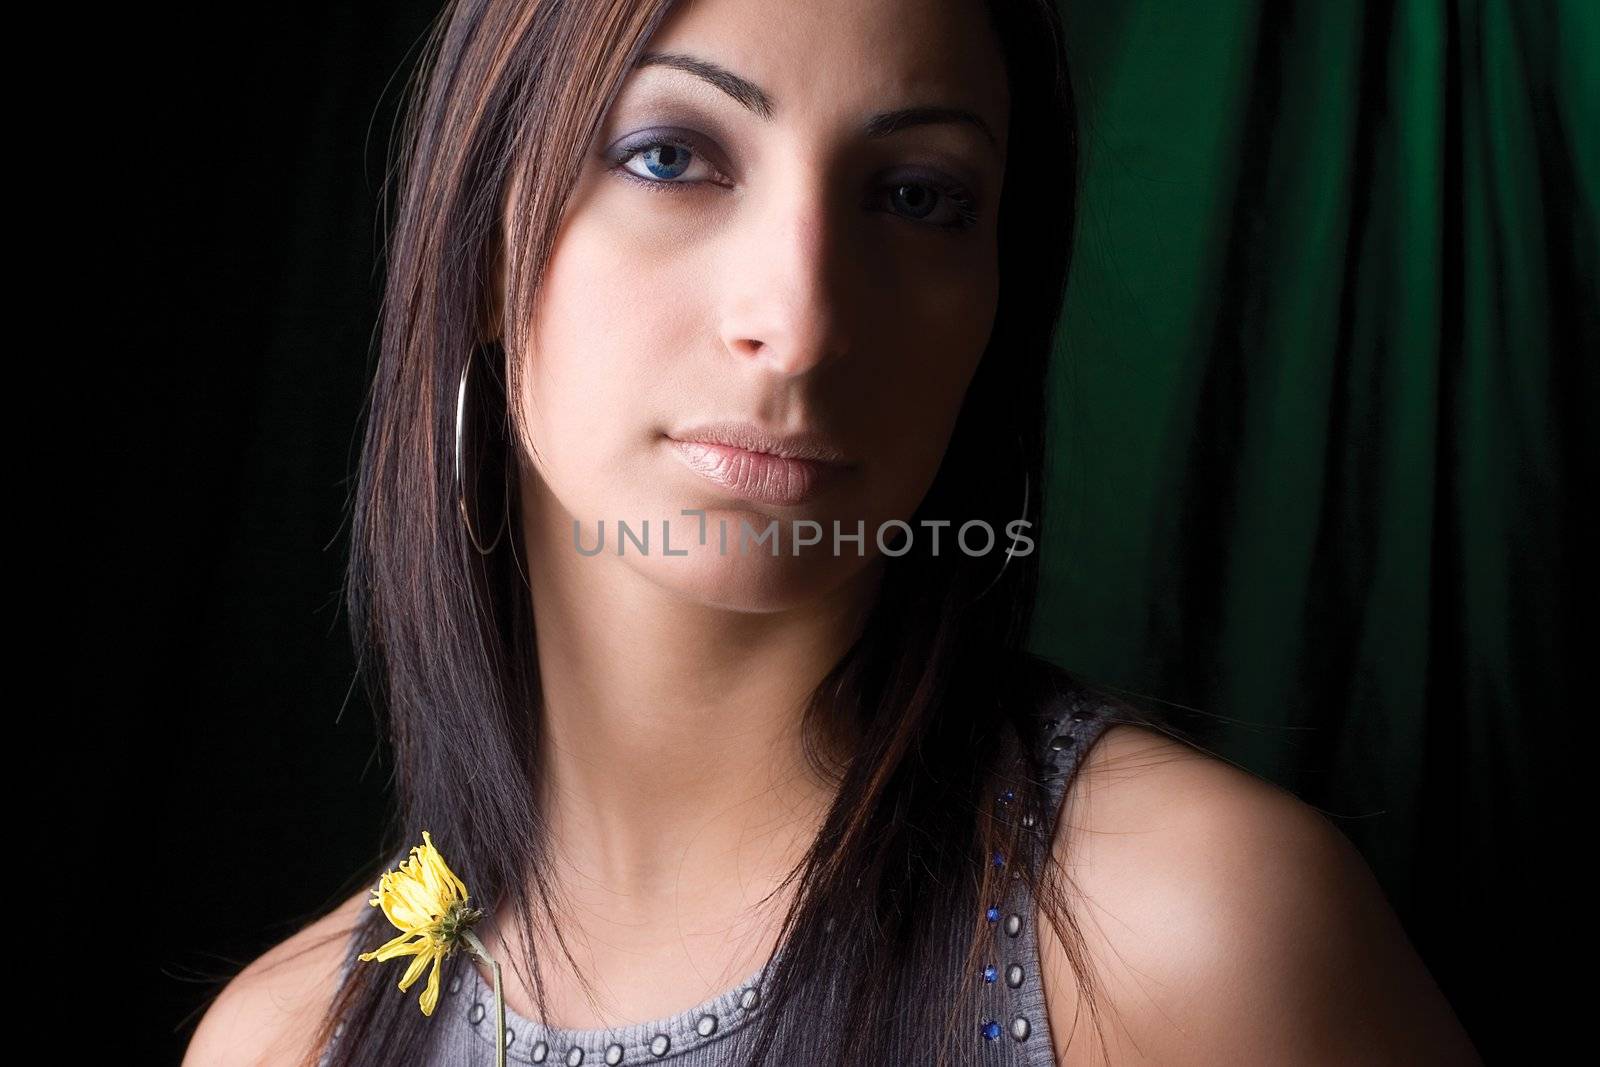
673	774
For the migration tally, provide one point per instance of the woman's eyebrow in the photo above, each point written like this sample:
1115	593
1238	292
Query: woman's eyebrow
748	94
753	98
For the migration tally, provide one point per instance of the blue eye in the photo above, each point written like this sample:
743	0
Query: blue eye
949	207
919	199
664	160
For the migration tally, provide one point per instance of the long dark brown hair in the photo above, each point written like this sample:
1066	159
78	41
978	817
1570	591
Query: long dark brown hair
446	635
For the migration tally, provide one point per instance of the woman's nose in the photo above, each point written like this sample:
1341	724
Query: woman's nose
788	284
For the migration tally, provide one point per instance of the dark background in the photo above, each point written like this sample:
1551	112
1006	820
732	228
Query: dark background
1325	416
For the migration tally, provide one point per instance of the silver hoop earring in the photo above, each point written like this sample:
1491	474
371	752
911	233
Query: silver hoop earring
461	495
1009	550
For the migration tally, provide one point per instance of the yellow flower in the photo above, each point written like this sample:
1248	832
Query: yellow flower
427	902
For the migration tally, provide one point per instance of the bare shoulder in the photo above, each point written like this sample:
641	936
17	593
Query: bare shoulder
1226	921
270	1011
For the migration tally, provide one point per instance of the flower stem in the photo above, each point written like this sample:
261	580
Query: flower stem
499	997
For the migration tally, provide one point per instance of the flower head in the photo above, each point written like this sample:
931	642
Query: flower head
428	903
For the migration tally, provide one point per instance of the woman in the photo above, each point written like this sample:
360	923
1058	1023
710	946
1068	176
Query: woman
707	272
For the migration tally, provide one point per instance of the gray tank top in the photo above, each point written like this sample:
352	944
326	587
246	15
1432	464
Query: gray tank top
1010	1025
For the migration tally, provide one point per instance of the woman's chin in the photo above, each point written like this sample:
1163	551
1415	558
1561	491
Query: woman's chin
755	581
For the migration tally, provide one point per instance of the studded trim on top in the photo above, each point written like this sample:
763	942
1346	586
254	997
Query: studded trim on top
1017	1009
528	1041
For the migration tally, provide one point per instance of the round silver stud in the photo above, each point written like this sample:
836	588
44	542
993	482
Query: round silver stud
574	1056
540	1051
455	983
613	1054
1060	742
1020	1028
1013	976
706	1026
1013	924
660	1044
338	1028
750	998
475	1014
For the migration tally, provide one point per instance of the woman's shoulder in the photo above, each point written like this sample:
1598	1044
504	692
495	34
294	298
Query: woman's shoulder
270	1012
1224	919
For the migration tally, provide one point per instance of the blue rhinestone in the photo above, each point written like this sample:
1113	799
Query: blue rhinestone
989	973
991	1030
999	860
993	914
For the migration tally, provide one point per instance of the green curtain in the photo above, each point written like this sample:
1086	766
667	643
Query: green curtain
1324	416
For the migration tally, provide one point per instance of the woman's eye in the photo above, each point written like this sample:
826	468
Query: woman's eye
662	162
948	207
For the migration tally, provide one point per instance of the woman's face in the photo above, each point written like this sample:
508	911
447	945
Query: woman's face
756	239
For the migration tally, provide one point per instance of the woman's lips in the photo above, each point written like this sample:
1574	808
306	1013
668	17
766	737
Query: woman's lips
756	475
